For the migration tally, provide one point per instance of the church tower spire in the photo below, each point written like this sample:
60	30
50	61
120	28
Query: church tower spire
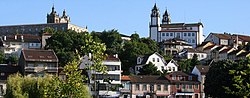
166	18
154	24
53	17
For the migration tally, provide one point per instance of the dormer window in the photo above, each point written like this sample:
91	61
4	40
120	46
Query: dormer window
153	59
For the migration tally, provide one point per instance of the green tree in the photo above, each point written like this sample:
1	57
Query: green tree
149	69
217	78
240	73
72	87
2	57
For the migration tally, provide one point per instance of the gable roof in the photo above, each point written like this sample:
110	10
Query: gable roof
172	60
39	55
222	36
203	69
148	79
125	78
244	54
145	57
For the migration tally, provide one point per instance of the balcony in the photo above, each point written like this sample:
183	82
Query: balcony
185	90
51	69
34	69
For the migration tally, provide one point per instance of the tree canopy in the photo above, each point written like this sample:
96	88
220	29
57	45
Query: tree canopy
149	69
227	79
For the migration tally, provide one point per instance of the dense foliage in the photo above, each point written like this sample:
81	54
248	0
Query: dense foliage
228	79
187	65
49	86
149	69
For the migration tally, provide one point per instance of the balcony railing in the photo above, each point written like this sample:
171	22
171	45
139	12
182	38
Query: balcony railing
186	90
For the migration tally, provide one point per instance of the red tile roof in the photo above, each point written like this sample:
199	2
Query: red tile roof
125	78
39	55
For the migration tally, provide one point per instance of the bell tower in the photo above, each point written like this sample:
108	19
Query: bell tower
166	18
154	24
53	17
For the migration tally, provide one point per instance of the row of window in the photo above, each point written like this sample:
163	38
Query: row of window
189	86
178	34
158	59
190	40
179	77
108	76
146	87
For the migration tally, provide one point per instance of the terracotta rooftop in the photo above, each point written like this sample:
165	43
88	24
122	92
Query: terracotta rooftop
112	58
148	79
203	69
125	78
39	55
26	38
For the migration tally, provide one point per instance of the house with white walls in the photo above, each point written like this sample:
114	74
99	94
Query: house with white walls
158	61
107	83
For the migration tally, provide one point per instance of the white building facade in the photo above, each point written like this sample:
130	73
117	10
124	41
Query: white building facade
113	75
191	32
158	61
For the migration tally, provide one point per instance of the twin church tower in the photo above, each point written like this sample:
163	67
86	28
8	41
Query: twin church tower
53	17
161	30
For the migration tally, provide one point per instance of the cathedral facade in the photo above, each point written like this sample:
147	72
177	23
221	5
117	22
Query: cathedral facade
53	21
164	30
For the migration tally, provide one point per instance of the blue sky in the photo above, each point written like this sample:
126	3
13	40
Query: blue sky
128	16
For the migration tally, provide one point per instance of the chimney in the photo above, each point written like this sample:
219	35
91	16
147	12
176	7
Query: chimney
116	55
4	38
90	56
15	37
22	38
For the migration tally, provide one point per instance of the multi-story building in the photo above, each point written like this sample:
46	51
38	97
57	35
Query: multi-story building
150	87
13	44
38	62
201	72
184	85
174	46
5	71
191	32
53	21
158	61
107	83
188	53
233	40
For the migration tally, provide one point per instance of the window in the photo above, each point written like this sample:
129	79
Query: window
158	60
185	34
167	34
165	87
173	77
196	86
144	87
169	68
173	68
190	86
137	87
192	34
180	77
177	86
2	74
171	34
163	34
178	35
30	65
193	41
158	87
162	68
183	86
189	34
190	78
151	87
153	59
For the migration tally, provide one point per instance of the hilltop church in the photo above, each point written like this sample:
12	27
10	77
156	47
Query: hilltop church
53	21
165	30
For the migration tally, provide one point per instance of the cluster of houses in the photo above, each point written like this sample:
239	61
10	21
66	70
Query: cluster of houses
181	40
